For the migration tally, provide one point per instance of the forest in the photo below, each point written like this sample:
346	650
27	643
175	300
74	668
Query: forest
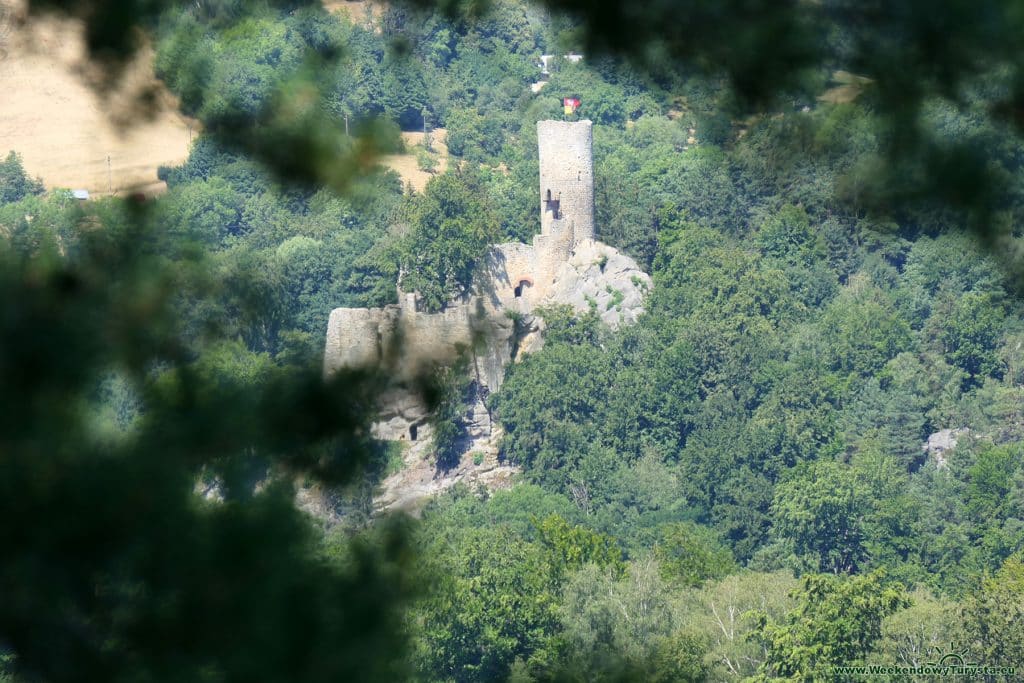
736	488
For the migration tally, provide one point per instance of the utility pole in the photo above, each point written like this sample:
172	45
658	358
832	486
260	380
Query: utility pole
110	181
426	135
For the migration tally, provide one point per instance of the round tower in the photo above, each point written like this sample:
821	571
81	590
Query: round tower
566	180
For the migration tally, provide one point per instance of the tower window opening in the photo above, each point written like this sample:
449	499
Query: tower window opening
552	205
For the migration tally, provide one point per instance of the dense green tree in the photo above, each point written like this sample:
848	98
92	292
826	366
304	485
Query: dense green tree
862	331
697	272
943	531
402	91
989	481
306	269
549	406
355	94
450	229
247	62
15	184
494	601
453	390
41	221
563	324
913	395
821	509
911	637
517	509
726	613
648	180
794	423
836	622
207	212
690	554
571	547
788	238
653	395
970	335
993	615
119	569
474	136
937	265
625	629
600	102
741	511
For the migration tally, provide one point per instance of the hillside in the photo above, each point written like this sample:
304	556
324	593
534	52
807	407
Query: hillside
785	443
66	132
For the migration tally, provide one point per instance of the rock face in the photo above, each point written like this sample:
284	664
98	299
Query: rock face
418	480
940	443
599	275
564	264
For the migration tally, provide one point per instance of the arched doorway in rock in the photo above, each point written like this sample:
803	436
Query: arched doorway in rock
413	431
522	282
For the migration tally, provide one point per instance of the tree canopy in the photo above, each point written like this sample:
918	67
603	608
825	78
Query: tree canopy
733	488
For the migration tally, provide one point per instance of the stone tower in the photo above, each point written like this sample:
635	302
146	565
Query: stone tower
564	264
566	179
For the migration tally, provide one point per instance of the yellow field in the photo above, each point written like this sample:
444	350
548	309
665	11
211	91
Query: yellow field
360	12
405	164
64	131
70	136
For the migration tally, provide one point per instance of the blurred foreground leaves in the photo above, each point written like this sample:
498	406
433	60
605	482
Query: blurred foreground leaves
115	567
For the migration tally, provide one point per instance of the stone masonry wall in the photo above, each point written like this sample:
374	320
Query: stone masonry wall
567	171
370	337
515	277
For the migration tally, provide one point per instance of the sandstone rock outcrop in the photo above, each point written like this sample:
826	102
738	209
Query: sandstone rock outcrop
603	277
940	443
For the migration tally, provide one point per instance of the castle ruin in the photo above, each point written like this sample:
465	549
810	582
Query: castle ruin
563	264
